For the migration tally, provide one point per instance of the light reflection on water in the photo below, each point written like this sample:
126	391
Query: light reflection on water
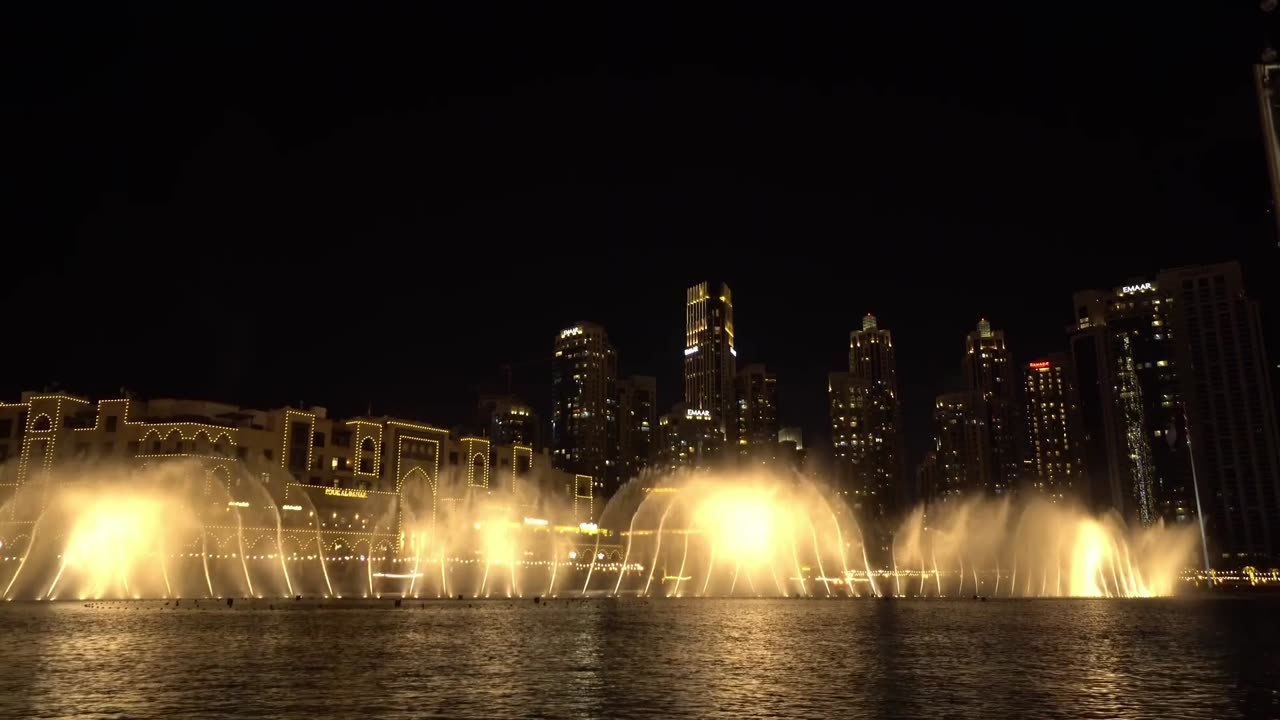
693	658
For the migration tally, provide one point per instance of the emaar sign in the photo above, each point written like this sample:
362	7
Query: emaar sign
1143	287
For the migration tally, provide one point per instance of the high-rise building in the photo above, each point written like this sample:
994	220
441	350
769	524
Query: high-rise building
756	391
791	453
1091	359
871	355
688	438
1267	76
928	482
988	371
510	421
637	426
1054	440
584	404
846	421
1126	377
710	357
869	397
792	435
962	447
1230	411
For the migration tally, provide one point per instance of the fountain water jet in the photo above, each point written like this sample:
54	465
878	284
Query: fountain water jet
595	552
110	533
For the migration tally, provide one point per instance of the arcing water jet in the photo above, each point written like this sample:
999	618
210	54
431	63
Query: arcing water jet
159	533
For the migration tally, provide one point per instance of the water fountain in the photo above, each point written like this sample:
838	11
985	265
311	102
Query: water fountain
754	534
748	535
171	530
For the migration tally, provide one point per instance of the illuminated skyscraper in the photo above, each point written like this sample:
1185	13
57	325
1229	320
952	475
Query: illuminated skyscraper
1230	411
1267	77
958	465
583	377
510	421
1126	377
791	452
846	420
757	394
871	354
792	435
637	426
874	419
710	360
1053	428
988	371
927	480
687	438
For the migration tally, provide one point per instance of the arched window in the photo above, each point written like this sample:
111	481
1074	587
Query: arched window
367	445
477	469
42	424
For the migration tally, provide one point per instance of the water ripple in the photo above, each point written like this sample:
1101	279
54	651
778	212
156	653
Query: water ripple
1183	658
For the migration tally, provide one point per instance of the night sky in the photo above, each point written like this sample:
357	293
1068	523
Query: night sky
266	206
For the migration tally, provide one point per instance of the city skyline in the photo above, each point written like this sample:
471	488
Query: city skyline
928	369
487	192
408	359
1107	424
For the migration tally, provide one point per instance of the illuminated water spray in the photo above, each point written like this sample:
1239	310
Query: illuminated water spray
159	534
723	532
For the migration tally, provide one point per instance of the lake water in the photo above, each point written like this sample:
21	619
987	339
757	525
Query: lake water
1187	657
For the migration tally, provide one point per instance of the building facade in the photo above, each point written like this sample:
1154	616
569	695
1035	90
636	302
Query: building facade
1054	438
353	481
756	391
843	403
927	481
689	439
866	418
962	451
792	434
710	355
988	371
584	404
637	426
1127	381
509	420
1267	84
1230	411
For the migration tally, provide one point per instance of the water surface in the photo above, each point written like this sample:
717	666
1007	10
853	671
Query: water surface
1175	658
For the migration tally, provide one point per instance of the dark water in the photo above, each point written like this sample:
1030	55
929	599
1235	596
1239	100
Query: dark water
1206	658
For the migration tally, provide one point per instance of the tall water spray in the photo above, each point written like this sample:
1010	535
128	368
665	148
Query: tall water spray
751	534
171	530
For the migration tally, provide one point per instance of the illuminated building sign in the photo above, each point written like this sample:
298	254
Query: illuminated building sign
570	332
698	414
690	350
583	528
346	492
296	508
238	503
1042	365
1143	287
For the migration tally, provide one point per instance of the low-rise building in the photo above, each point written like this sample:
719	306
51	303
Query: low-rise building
358	476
